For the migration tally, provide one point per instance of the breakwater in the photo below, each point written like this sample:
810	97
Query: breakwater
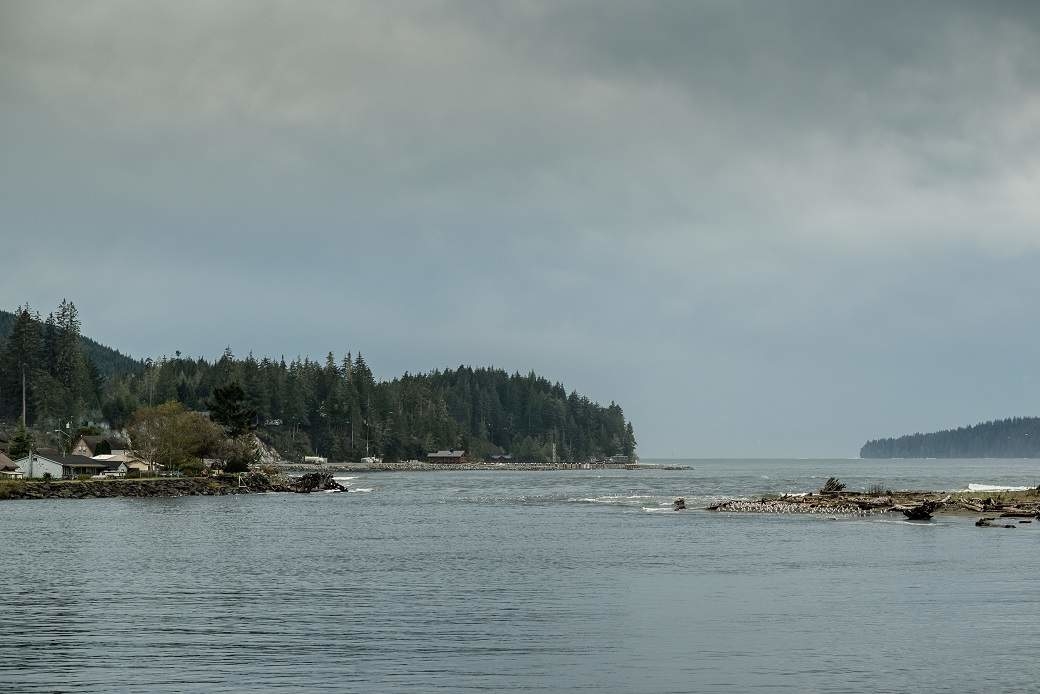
253	483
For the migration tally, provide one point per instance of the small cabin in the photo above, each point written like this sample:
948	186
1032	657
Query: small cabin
9	469
446	457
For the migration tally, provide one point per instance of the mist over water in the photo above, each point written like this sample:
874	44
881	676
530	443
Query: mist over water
521	581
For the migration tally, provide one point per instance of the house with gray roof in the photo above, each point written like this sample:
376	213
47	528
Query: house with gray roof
38	465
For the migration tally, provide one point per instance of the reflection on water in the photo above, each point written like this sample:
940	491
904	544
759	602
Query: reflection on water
541	581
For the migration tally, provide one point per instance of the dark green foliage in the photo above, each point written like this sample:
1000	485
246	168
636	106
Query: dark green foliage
65	374
21	443
228	409
191	468
833	484
335	408
108	362
1018	437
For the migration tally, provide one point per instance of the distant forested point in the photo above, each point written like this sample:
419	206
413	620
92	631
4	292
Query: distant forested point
1018	437
333	408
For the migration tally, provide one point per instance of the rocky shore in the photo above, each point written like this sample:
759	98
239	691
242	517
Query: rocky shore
420	466
914	505
253	483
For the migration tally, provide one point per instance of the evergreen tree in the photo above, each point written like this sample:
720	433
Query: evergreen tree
21	357
21	443
629	447
228	408
69	367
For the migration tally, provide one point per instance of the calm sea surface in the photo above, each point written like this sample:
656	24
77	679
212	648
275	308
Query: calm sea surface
522	581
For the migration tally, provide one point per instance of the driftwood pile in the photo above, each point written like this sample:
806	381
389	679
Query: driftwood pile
916	506
317	482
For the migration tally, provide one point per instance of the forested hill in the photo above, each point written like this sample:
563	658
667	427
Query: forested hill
1018	437
334	408
337	409
106	360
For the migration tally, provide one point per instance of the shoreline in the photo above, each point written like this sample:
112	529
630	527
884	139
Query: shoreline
418	466
155	487
295	478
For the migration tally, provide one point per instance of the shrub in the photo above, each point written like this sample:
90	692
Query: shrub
833	484
191	468
239	454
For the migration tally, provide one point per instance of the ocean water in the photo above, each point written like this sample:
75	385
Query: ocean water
573	581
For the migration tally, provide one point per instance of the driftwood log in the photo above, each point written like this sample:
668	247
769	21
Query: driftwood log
922	511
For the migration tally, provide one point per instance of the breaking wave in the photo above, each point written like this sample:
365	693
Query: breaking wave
972	487
612	499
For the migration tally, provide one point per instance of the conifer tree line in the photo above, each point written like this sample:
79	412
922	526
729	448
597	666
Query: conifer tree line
1018	437
62	384
335	408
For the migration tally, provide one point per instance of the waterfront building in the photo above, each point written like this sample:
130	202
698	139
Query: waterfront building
446	457
8	468
37	465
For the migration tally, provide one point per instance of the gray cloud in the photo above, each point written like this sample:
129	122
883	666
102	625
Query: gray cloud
765	228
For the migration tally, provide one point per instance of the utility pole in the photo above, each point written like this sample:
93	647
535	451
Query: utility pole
24	422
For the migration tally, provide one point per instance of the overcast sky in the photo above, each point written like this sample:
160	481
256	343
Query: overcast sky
765	228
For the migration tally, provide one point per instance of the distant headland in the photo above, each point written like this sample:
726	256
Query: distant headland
182	414
1018	437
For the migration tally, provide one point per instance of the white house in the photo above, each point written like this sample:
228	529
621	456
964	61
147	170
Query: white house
36	466
60	466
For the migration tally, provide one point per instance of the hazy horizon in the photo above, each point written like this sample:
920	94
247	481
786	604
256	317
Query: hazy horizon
765	229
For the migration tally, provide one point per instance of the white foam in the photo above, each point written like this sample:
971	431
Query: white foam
972	487
359	490
611	499
344	479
